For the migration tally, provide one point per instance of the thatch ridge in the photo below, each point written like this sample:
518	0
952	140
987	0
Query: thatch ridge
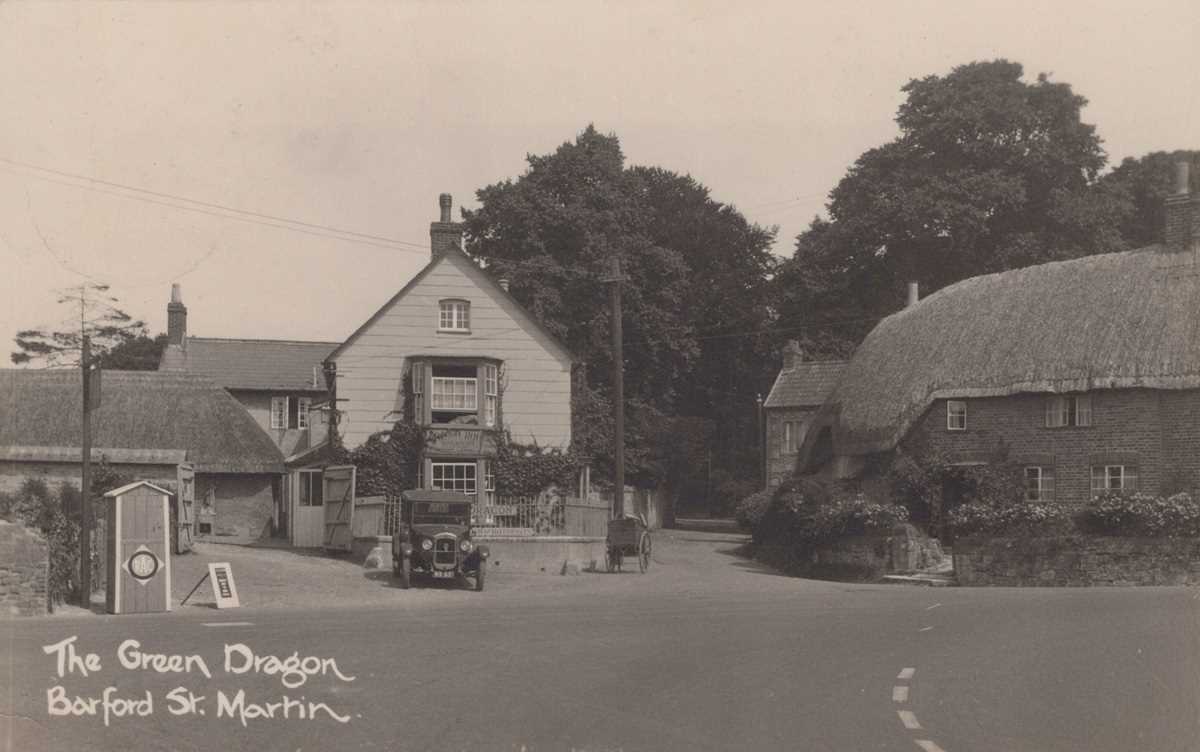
1118	320
139	411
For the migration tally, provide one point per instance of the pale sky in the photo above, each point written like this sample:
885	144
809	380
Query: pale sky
357	116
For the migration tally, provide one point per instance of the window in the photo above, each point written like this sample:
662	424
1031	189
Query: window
290	412
454	476
1114	478
491	394
454	316
793	434
1069	410
455	393
311	492
956	415
1039	483
489	477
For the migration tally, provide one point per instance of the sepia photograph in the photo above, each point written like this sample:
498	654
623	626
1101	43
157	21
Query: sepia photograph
528	376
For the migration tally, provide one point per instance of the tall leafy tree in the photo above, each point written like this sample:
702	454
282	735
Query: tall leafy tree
989	172
692	268
1147	181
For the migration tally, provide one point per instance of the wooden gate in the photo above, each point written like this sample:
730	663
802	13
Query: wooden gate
185	507
338	488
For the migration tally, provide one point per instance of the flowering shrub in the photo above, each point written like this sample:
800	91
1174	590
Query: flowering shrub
1175	516
978	517
802	515
751	509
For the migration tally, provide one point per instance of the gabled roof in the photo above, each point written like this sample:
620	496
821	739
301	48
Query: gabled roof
137	483
153	415
1118	320
806	384
252	364
480	277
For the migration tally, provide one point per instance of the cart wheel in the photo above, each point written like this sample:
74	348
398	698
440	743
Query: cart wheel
405	572
479	576
644	553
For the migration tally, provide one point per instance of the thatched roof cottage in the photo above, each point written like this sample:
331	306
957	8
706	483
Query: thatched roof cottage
1085	371
147	424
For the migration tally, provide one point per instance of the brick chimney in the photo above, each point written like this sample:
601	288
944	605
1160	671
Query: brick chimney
444	234
792	355
176	318
1182	213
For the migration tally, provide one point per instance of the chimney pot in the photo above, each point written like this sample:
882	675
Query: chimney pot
176	318
914	294
444	234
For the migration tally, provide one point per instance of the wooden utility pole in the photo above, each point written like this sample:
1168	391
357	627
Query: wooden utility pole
618	507
85	495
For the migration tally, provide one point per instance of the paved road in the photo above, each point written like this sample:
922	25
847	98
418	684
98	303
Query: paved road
705	652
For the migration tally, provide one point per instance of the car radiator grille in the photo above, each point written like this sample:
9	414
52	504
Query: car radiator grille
443	552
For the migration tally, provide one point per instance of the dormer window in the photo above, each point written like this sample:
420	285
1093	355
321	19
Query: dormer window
454	316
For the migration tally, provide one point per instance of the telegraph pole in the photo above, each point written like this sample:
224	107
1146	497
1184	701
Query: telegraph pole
618	508
85	496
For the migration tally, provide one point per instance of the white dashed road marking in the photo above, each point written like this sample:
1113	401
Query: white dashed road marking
899	694
928	746
906	673
227	624
909	719
924	629
930	608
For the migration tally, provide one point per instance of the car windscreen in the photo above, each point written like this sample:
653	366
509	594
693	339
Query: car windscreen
440	513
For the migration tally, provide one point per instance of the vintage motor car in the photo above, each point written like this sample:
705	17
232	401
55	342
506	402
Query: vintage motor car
434	538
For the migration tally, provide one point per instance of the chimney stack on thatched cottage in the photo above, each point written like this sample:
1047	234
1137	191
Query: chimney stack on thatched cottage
1182	212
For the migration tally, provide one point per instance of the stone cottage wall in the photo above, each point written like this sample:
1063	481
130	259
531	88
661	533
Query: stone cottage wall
1077	560
780	463
24	570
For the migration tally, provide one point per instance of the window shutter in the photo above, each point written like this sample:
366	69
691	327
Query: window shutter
1083	410
417	374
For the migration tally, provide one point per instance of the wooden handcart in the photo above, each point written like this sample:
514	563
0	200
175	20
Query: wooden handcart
627	536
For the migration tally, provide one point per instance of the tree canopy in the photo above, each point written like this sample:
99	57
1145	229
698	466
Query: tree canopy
989	172
116	339
1146	182
692	268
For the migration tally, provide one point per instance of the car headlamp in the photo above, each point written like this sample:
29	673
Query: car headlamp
427	544
464	545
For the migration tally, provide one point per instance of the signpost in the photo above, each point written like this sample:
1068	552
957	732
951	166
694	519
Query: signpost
224	588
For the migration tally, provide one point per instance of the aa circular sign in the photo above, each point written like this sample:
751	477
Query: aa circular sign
143	565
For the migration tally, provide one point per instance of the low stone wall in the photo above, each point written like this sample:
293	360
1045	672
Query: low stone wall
532	555
1077	560
859	557
24	570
